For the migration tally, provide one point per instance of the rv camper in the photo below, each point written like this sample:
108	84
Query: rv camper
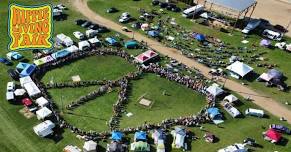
193	11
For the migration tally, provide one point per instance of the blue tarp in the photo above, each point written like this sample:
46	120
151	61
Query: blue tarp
200	37
153	33
111	40
181	131
141	135
131	44
116	136
60	54
28	70
214	113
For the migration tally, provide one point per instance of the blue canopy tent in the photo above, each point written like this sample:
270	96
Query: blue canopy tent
14	55
60	54
200	37
153	33
131	44
116	136
141	135
20	66
111	41
28	70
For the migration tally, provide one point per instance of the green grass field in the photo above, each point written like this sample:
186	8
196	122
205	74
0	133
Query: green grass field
275	56
16	132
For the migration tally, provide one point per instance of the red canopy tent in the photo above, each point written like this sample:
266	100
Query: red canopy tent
26	102
273	135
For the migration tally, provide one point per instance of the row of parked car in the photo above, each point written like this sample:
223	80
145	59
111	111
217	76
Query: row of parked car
166	5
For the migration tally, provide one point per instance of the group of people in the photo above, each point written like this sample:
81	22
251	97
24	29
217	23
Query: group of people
196	83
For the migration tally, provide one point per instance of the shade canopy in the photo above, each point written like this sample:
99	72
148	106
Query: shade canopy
131	44
275	74
141	135
42	102
116	136
158	134
180	130
240	68
28	70
90	146
111	40
43	113
214	90
60	54
231	98
237	5
19	92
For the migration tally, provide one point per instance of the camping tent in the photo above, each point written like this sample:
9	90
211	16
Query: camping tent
19	92
265	43
43	113
214	113
24	80
275	74
116	136
60	54
42	102
179	136
14	55
142	58
140	146
131	44
32	89
90	146
273	135
230	98
21	66
111	41
200	37
28	70
140	135
158	134
214	90
153	33
239	69
44	129
116	147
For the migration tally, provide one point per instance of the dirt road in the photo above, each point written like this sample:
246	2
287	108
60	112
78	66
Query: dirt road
266	103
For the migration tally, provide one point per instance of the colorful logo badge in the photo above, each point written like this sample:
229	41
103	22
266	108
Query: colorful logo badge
30	27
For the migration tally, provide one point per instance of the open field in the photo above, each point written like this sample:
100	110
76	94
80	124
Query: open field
275	56
16	132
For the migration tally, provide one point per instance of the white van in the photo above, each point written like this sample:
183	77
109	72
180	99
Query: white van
193	10
10	96
79	35
254	112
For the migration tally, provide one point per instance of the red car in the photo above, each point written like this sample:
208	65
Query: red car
28	103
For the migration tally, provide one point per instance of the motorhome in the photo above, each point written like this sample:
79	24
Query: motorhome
254	112
193	11
272	35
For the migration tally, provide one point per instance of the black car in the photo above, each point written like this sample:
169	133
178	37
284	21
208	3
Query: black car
13	74
176	9
86	24
80	21
102	29
155	2
94	26
170	6
112	10
163	5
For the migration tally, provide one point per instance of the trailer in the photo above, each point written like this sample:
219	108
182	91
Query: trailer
193	11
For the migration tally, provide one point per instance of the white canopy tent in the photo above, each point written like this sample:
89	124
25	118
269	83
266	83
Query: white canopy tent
90	146
265	77
31	89
214	90
24	80
43	113
44	129
239	68
42	102
231	98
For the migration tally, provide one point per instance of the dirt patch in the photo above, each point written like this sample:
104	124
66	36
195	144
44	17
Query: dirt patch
26	113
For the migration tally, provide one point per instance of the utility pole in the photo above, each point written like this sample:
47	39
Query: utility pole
288	24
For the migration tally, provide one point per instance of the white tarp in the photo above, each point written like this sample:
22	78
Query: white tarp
240	68
24	80
31	89
42	102
45	128
43	113
90	146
